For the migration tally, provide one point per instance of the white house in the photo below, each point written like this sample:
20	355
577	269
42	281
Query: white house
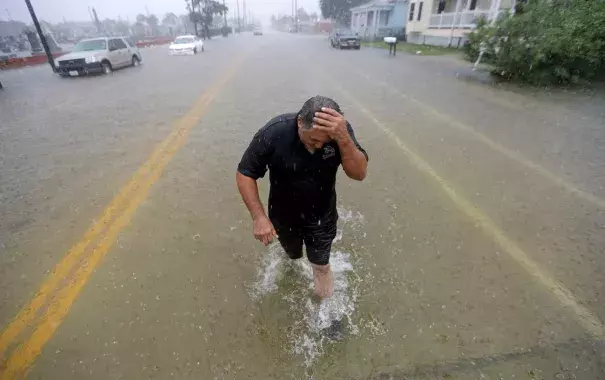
377	18
447	22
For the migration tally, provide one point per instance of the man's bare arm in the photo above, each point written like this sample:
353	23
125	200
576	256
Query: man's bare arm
263	228
354	162
249	190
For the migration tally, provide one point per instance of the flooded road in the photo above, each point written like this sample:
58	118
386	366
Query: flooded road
473	250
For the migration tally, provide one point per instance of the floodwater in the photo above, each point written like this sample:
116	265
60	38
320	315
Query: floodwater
317	323
473	250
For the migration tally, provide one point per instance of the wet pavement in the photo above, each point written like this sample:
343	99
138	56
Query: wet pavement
473	250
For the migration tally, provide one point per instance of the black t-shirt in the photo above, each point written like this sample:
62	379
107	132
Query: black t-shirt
302	183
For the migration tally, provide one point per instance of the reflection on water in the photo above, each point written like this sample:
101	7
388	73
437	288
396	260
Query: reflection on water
313	323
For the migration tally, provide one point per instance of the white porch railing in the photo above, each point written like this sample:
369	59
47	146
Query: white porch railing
464	19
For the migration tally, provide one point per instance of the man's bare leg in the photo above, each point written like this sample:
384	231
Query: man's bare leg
324	280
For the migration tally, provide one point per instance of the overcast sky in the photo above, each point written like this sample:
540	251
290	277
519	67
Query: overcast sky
77	10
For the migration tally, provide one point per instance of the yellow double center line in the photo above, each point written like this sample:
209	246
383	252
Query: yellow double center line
50	305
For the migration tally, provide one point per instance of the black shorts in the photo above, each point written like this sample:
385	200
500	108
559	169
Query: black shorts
317	238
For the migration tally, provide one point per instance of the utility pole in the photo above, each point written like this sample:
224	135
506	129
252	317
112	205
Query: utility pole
8	14
244	5
296	15
224	14
239	25
97	22
49	56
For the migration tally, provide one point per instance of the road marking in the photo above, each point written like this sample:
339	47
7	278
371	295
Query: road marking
62	269
516	156
59	306
583	315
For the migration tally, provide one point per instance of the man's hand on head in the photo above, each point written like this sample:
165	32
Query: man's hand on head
333	123
354	159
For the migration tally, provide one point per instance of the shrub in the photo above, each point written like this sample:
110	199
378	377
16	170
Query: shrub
546	42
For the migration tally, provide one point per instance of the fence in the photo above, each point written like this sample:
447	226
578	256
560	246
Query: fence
465	19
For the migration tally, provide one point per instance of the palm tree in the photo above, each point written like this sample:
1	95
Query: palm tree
170	19
204	11
153	22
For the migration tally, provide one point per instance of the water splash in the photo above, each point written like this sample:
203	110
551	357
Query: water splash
307	336
320	316
269	272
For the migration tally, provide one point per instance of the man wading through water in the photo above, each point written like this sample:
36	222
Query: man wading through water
303	152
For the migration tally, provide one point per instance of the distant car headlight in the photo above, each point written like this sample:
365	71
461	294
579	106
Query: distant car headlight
92	59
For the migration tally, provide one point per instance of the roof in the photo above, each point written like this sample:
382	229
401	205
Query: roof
384	4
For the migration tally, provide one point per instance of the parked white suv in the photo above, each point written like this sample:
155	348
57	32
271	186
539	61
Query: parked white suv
98	55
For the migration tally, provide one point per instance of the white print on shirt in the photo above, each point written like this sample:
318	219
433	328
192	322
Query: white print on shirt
328	152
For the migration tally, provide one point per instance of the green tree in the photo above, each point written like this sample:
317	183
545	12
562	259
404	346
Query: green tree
170	22
191	10
302	15
170	19
153	23
546	42
203	13
338	10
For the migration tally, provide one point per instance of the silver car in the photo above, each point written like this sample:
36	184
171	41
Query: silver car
98	55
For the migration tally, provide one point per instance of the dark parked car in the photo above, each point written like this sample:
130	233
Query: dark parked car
345	39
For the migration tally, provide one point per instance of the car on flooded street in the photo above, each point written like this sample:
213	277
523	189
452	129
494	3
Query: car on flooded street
345	39
186	45
98	55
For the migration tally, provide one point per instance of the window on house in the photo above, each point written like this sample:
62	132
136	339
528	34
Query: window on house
472	5
441	6
420	10
412	6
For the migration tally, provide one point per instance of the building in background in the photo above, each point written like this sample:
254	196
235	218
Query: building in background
447	22
324	26
379	18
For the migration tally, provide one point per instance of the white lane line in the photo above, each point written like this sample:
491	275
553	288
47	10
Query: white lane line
582	314
516	156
